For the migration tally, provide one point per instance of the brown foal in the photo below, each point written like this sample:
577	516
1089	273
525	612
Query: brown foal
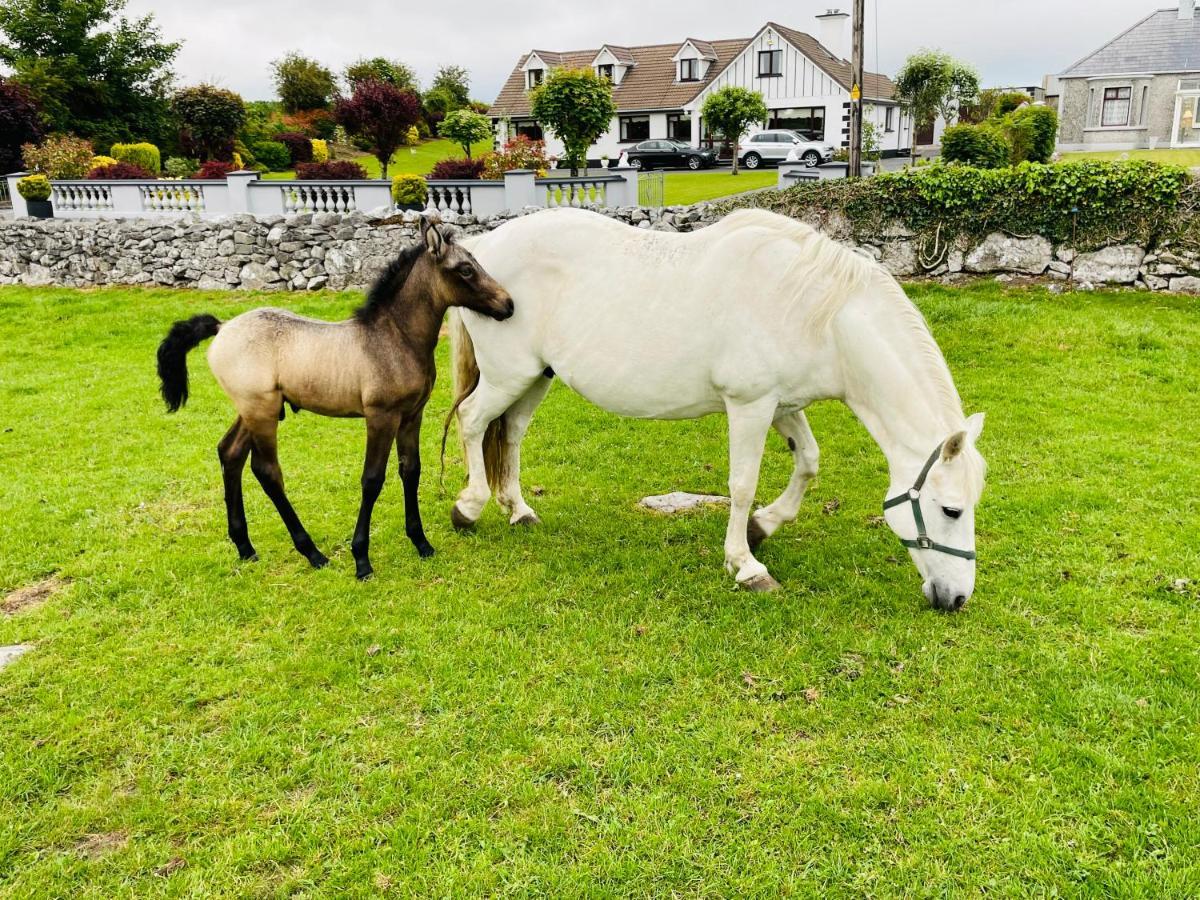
379	365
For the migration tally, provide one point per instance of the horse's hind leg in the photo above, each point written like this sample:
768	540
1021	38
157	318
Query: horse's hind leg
748	426
264	463
381	434
517	420
794	428
486	404
232	451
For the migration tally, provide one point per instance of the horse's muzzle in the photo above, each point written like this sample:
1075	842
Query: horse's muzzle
943	597
505	311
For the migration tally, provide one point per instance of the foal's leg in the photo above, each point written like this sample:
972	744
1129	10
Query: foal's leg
486	404
748	426
264	463
794	427
381	434
408	448
233	451
517	419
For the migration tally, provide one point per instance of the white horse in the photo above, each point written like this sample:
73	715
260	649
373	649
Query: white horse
757	317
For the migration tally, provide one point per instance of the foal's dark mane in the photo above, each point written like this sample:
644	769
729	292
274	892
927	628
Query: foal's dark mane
388	284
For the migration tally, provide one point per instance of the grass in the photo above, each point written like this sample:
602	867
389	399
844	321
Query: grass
591	708
1187	158
683	188
418	160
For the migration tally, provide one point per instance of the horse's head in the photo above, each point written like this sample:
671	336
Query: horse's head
934	517
459	280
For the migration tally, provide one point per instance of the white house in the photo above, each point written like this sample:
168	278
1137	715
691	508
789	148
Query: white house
659	89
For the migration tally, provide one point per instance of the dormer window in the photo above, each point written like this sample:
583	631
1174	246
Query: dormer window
689	70
534	77
607	71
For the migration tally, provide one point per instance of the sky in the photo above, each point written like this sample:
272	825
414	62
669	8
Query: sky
231	42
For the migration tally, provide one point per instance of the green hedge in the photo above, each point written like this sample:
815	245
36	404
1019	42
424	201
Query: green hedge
272	154
985	146
1084	205
144	155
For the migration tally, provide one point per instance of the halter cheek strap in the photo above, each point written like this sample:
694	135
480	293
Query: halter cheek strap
913	496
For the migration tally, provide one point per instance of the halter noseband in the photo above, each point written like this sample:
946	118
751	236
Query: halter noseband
913	496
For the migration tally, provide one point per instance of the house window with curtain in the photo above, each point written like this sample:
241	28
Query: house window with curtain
534	77
689	70
770	63
806	120
1115	111
634	129
679	127
605	71
529	129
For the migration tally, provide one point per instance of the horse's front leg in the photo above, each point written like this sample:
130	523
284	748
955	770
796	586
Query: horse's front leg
748	426
807	456
381	434
408	447
517	420
486	404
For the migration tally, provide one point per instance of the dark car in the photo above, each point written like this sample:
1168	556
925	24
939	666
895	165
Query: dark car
670	155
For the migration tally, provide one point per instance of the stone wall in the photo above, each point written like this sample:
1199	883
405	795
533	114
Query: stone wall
327	250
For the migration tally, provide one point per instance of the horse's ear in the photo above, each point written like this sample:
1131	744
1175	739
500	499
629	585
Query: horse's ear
975	427
954	446
434	242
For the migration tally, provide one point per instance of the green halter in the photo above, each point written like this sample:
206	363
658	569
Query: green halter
913	496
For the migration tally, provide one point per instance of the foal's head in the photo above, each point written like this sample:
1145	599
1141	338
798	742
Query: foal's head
456	279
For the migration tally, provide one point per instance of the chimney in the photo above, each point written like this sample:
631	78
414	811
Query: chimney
1187	10
835	28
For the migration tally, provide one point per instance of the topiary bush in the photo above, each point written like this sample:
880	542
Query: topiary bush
215	170
143	154
60	156
299	146
410	191
320	151
457	170
982	146
34	187
119	172
272	154
338	170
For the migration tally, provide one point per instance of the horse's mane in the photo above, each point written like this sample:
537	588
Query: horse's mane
388	284
835	272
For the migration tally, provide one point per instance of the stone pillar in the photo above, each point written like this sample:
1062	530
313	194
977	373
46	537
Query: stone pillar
126	198
239	190
20	210
520	189
625	192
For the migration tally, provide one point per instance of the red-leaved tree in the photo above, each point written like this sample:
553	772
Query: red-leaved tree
20	123
380	113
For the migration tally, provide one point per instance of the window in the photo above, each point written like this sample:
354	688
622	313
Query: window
889	119
634	128
529	129
605	71
679	127
1115	112
534	77
689	70
770	63
806	120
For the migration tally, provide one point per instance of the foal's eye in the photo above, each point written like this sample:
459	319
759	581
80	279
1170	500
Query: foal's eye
466	270
951	512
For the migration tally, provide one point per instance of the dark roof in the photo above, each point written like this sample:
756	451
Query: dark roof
1159	43
651	82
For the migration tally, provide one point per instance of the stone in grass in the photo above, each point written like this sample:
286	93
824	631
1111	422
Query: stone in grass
12	653
677	502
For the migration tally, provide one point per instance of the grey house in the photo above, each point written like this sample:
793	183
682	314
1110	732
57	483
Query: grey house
1138	91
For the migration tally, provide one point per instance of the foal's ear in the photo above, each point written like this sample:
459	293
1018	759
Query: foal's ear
954	446
434	242
975	427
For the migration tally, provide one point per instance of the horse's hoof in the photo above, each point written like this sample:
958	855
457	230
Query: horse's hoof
528	521
248	555
755	534
318	560
760	584
459	521
425	552
365	574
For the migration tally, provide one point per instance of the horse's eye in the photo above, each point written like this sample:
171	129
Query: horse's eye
466	270
951	512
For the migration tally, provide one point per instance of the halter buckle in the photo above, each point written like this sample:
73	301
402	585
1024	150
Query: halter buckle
924	542
914	494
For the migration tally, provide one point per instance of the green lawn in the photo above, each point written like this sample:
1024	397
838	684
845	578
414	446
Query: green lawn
591	708
418	160
1187	158
682	188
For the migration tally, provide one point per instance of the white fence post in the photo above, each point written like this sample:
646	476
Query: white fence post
18	202
520	189
625	194
239	190
126	198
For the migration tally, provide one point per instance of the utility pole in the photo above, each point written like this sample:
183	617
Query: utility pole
856	91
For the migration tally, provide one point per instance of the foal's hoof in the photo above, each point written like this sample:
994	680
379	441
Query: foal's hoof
425	552
364	573
760	584
248	555
528	521
318	560
755	534
459	521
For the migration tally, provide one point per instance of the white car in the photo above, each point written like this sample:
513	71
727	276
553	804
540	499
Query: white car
773	147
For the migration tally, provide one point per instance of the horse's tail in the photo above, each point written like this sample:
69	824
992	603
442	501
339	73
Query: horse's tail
172	356
466	379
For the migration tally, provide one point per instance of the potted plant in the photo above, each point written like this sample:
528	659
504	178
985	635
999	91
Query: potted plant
410	192
36	191
604	161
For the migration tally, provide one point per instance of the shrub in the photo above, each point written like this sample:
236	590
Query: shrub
518	153
381	114
215	170
410	190
100	162
34	187
1039	127
273	154
338	170
299	146
59	156
120	171
209	118
320	151
179	167
981	146
412	137
143	154
457	170
315	123
20	123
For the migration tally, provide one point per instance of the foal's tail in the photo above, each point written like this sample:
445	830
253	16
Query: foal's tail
466	379
172	356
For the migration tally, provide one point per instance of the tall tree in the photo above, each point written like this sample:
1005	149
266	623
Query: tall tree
94	72
731	111
380	113
20	123
391	71
302	83
577	106
455	81
933	84
209	120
